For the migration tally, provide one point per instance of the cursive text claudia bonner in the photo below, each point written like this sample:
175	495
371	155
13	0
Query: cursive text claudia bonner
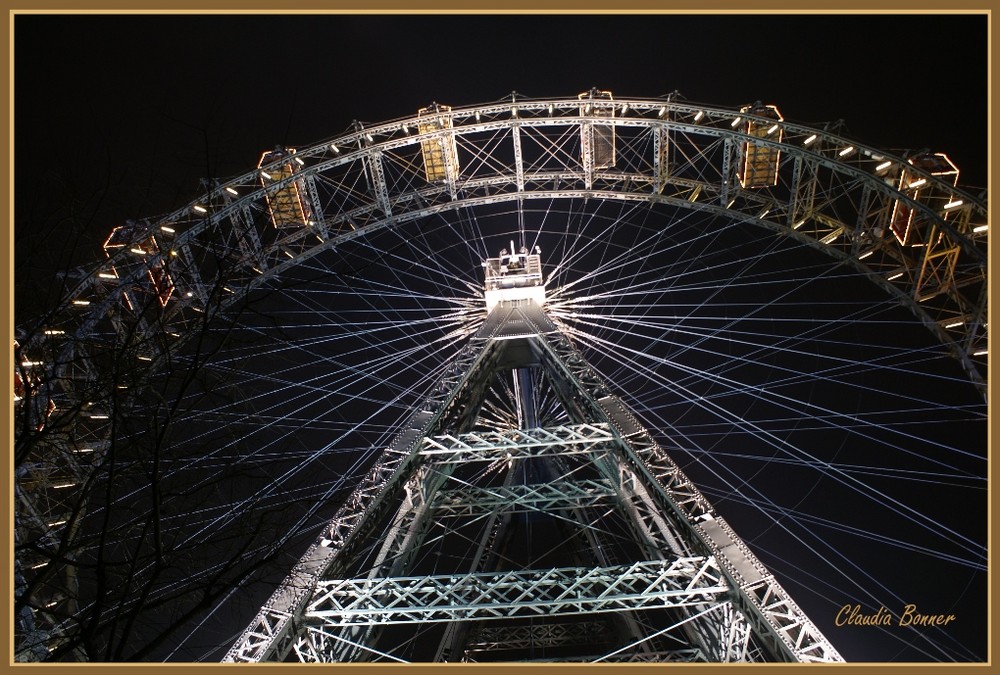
853	615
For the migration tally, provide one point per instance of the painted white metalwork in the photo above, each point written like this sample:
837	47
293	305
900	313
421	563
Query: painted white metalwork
542	497
489	595
492	445
207	256
780	628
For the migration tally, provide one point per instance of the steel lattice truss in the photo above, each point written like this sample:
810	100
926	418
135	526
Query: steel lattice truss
540	497
682	582
900	220
700	566
487	446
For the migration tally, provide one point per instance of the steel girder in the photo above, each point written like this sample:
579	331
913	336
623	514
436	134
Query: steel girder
682	582
543	497
515	443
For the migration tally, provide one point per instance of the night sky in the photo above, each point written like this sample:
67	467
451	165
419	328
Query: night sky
120	117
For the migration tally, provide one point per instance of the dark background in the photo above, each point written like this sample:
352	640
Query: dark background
120	117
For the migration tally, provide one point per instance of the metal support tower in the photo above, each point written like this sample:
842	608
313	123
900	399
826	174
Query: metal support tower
562	531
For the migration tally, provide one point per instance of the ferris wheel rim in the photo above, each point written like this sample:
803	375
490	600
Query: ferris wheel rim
352	146
204	221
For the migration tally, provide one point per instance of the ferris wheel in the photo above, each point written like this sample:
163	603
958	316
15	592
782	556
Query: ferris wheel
799	319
